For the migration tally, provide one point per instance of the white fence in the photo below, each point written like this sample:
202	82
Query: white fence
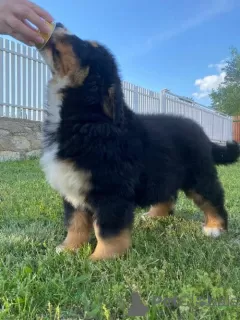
216	125
23	78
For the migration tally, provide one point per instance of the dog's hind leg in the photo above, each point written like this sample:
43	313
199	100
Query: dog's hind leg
112	228
162	209
79	225
208	195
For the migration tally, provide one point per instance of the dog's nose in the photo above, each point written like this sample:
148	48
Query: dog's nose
59	25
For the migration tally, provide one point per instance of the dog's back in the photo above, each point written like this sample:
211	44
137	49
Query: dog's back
183	139
188	137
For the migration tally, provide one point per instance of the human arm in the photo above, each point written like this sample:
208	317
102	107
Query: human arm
14	17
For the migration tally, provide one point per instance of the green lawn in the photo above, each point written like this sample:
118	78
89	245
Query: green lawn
170	258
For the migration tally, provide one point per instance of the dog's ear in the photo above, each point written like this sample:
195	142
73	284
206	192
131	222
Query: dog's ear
113	105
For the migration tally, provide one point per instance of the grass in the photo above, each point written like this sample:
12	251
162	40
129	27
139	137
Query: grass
169	258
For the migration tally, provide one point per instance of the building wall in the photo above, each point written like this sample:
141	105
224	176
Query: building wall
19	139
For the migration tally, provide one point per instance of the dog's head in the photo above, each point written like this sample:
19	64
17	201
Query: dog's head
84	73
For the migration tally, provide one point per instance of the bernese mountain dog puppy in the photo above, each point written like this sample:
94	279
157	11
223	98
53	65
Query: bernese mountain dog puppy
105	160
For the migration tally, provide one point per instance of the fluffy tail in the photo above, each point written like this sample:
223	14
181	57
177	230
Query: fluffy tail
226	154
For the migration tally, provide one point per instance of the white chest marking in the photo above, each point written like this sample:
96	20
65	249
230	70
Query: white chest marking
55	99
72	184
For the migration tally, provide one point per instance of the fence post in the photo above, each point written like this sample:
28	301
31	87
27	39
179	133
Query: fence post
201	121
163	100
135	99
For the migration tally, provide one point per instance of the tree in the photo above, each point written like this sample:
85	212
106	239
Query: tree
226	98
232	68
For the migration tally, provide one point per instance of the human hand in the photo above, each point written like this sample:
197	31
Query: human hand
15	16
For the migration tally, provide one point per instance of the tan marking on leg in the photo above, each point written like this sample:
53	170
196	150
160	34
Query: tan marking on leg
78	232
212	219
111	247
161	209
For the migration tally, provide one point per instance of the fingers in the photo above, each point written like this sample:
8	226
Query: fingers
29	25
24	20
37	21
18	27
41	12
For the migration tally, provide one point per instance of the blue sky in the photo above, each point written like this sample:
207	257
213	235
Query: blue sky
180	45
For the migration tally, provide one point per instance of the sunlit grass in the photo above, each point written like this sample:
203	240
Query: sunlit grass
169	258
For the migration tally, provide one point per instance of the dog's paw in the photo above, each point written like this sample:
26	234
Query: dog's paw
94	257
212	232
63	248
145	215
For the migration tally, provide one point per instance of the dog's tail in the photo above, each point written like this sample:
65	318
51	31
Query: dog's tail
226	154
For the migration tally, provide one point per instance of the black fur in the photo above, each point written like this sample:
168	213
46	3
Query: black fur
68	211
134	160
225	154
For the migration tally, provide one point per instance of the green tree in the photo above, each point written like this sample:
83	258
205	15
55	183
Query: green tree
226	98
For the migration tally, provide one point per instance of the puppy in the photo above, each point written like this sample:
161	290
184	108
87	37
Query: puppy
104	160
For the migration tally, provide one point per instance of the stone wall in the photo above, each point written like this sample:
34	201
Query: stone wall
19	139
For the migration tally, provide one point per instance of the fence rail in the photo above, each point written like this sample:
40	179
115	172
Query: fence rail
23	79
